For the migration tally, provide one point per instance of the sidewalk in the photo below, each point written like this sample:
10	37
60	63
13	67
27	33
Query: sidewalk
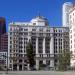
37	73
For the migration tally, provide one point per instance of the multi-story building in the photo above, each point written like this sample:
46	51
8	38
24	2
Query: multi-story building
4	50
72	34
3	60
65	13
4	42
2	28
47	43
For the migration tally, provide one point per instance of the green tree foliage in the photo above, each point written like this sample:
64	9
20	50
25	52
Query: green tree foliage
30	54
64	60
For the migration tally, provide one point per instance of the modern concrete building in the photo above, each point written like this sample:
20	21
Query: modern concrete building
4	50
4	42
47	42
72	34
2	28
65	13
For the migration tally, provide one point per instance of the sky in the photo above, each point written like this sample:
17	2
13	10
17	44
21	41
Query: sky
25	10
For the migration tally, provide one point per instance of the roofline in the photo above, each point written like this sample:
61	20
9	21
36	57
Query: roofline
72	9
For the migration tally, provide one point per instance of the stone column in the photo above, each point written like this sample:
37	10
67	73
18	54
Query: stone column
22	67
52	44
37	45
17	67
28	66
12	64
37	61
44	61
37	64
43	45
52	51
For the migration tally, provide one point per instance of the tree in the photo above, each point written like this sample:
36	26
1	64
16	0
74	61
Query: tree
64	60
30	54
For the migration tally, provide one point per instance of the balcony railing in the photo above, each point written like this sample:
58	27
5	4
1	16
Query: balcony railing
44	55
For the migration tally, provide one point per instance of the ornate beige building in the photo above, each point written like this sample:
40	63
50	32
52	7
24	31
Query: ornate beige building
47	42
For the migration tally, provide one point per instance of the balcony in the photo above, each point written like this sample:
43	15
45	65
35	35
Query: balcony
44	55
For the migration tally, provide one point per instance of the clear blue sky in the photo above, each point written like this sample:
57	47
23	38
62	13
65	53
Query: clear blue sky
25	10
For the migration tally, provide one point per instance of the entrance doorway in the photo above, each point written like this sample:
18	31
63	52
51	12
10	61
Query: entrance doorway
15	67
20	67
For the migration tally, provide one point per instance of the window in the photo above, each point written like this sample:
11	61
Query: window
33	29
10	46
20	61
33	33
40	29
20	33
41	62
20	55
10	33
55	35
34	23
71	36
25	38
71	46
24	51
21	29
10	42
20	51
20	42
25	33
10	38
20	46
10	65
48	34
47	51
40	34
25	29
48	62
48	30
59	30
40	51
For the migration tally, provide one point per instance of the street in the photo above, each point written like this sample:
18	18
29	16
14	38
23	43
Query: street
37	73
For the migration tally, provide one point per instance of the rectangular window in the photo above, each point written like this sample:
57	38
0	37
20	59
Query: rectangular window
33	29
10	33
25	29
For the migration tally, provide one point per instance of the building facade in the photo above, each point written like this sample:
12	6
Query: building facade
2	28
72	34
3	60
65	13
4	50
47	43
4	42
